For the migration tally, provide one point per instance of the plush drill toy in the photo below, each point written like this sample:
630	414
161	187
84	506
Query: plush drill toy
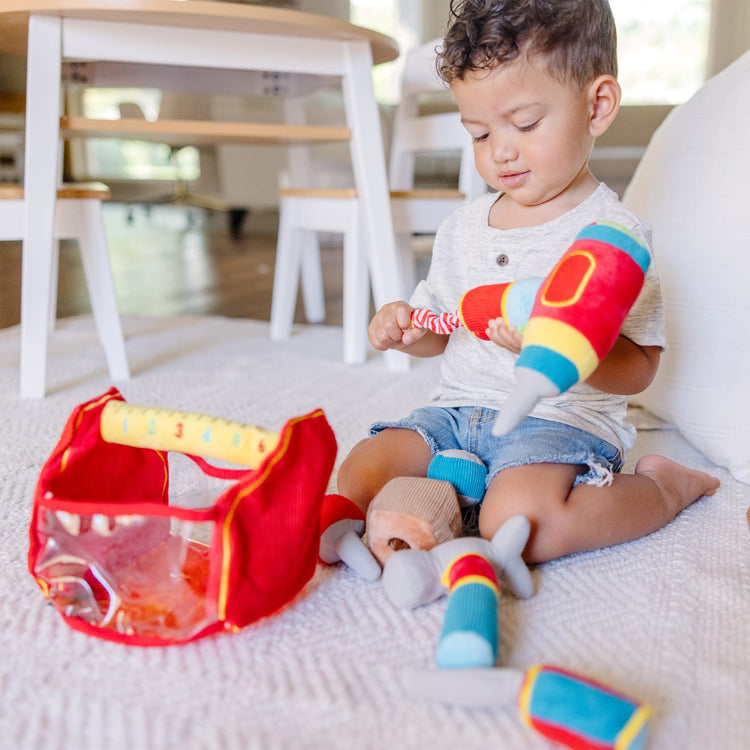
569	320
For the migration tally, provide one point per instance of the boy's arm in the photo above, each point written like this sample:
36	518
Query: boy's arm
627	369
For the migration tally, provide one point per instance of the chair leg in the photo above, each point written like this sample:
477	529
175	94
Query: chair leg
396	361
53	286
313	294
285	277
92	242
407	262
356	304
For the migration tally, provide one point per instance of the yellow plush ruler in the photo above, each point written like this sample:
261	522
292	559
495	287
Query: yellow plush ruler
186	432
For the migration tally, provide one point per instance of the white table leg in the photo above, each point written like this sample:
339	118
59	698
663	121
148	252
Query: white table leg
368	164
41	165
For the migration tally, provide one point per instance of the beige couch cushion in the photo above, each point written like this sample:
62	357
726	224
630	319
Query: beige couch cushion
693	187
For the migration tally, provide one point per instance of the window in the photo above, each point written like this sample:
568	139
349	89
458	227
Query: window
115	158
663	44
398	19
663	48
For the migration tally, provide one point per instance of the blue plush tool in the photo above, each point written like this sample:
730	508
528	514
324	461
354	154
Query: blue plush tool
464	470
468	475
470	630
469	637
567	708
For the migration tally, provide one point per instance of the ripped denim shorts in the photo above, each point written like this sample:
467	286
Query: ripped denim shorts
533	441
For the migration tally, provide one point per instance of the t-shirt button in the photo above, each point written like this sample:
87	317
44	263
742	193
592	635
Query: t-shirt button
502	260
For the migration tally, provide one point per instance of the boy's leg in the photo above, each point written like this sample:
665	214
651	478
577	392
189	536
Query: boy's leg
565	520
373	462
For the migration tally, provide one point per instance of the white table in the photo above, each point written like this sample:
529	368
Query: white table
195	34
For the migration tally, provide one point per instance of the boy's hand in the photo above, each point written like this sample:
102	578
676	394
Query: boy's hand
502	335
391	327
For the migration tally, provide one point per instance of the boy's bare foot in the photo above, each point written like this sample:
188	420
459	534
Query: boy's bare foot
679	485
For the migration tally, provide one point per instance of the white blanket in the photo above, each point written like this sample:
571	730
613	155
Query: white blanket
665	619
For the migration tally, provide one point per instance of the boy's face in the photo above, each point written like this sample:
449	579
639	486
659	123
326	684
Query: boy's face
531	133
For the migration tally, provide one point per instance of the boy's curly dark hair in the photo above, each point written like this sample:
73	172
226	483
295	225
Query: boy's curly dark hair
576	38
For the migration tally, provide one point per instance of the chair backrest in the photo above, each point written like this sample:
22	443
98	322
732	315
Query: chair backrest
415	131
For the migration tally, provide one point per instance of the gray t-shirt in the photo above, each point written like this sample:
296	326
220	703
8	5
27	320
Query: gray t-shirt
468	252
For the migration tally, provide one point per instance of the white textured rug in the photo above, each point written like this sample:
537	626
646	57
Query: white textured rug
665	618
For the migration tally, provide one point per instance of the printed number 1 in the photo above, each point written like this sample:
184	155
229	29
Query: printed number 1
206	437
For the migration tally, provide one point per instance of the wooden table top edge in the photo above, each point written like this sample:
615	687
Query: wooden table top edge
219	16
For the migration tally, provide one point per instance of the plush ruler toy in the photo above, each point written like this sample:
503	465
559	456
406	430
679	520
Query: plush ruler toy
569	320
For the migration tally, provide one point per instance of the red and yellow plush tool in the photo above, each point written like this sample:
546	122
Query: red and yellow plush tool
569	320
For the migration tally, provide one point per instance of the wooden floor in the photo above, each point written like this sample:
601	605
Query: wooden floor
165	264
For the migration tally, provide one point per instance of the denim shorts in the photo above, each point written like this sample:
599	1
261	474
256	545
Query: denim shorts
533	441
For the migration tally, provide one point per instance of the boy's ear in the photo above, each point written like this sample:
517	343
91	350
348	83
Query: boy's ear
604	102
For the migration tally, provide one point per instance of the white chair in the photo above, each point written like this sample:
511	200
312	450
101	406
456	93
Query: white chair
78	215
305	212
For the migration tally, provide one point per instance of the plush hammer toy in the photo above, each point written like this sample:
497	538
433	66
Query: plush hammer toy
467	569
569	321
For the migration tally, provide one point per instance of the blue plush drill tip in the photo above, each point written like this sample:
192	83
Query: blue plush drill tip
464	649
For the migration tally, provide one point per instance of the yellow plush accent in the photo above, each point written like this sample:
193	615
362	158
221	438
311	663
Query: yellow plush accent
568	341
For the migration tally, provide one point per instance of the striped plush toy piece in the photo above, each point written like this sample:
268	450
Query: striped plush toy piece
511	301
575	319
445	323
